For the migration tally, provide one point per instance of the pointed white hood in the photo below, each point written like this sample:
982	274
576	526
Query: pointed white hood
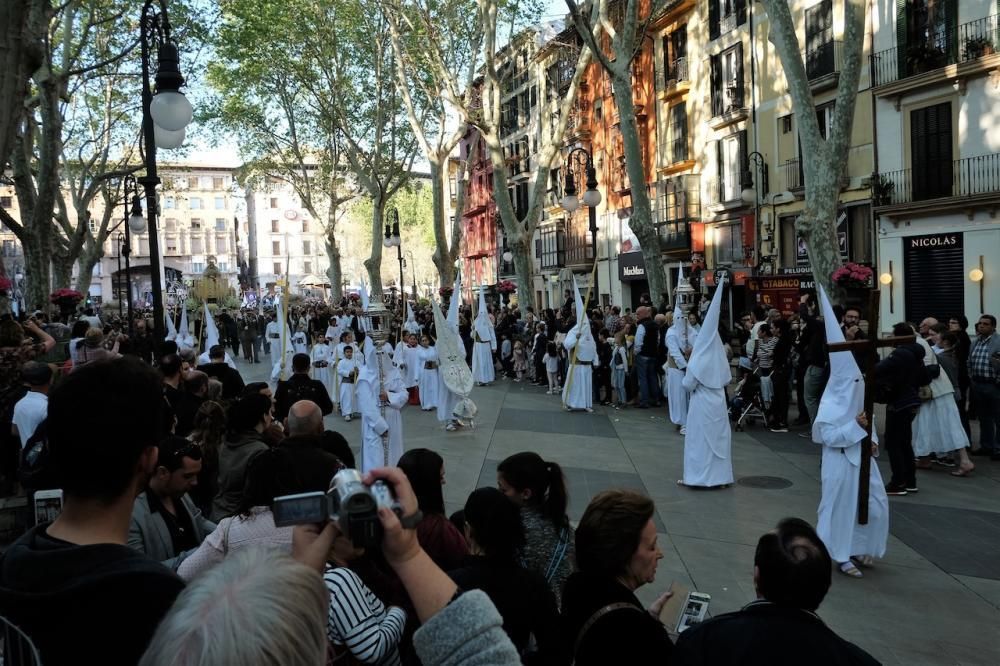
708	363
586	347
680	323
844	396
456	299
484	329
363	289
171	328
184	337
211	330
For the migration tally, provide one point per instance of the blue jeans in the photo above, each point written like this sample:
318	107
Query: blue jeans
618	380
986	397
649	385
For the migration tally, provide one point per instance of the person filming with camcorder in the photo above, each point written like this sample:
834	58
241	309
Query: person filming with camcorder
380	509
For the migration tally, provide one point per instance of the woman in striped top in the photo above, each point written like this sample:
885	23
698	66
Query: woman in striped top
358	621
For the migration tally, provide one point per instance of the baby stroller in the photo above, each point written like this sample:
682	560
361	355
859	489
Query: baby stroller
752	400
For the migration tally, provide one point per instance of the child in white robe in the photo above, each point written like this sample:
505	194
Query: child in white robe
347	371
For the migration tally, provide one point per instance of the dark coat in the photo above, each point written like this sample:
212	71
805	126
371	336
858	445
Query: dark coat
764	634
623	636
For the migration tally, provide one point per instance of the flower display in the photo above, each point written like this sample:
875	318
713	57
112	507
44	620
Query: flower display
65	297
354	298
506	287
446	291
5	283
853	276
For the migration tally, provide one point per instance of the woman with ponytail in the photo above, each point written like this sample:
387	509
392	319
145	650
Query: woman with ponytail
539	489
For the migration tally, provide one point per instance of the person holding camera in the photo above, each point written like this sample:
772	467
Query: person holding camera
458	628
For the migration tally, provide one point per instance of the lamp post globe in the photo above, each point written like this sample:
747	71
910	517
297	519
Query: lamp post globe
592	198
166	139
570	203
171	110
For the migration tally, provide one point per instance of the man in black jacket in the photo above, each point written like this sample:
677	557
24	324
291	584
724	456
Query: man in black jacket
792	571
300	387
72	585
232	381
899	376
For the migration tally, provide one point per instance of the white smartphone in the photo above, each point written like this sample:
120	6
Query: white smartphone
48	505
695	610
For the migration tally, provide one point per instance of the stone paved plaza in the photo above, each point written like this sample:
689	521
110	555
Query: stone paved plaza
935	599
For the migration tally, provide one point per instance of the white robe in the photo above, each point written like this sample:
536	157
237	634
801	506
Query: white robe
428	383
321	353
677	395
483	371
345	396
838	506
578	393
273	334
708	442
409	365
447	401
299	343
374	424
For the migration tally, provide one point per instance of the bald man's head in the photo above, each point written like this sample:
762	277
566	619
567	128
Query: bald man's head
305	418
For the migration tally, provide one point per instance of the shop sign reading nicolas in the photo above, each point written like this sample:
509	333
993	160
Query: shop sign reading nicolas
934	241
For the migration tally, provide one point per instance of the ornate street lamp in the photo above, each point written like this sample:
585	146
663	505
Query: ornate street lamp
392	239
166	113
577	158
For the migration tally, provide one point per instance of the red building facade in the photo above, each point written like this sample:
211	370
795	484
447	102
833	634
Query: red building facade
479	217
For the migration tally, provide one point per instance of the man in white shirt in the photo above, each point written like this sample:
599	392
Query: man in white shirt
34	406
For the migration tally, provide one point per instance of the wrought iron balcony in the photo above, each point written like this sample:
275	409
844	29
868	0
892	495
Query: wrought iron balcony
823	63
962	179
679	206
968	42
791	175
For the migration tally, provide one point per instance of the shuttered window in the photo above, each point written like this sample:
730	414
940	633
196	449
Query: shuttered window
931	151
934	269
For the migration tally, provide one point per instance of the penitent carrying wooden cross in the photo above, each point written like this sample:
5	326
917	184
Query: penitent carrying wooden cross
870	348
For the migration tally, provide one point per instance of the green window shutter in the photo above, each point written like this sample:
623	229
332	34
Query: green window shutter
901	30
951	27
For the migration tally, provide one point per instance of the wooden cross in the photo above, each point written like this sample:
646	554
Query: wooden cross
870	348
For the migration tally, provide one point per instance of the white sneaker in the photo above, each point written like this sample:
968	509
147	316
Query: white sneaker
347	418
684	430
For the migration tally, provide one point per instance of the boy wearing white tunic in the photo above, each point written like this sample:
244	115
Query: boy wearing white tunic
708	440
839	427
372	395
428	383
347	372
300	343
578	391
485	345
321	364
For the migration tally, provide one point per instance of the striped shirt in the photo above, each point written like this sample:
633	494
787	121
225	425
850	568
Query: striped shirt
359	621
765	352
979	359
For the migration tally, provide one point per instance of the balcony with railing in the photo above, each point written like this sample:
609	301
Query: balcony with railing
578	125
961	48
553	248
931	185
728	23
679	206
727	105
672	79
579	250
791	175
823	65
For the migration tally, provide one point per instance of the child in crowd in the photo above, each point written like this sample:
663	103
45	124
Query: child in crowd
551	361
619	368
520	360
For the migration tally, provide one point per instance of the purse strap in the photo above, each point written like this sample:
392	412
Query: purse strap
598	614
558	554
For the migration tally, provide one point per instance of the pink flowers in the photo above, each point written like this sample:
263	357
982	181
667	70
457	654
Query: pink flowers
506	287
853	275
5	283
446	291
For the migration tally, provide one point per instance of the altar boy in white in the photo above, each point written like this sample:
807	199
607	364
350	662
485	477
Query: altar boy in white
709	437
485	345
347	372
578	391
839	427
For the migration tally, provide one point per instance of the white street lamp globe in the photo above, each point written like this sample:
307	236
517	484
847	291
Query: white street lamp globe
387	242
166	139
396	241
137	223
171	110
592	198
749	195
570	203
508	256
